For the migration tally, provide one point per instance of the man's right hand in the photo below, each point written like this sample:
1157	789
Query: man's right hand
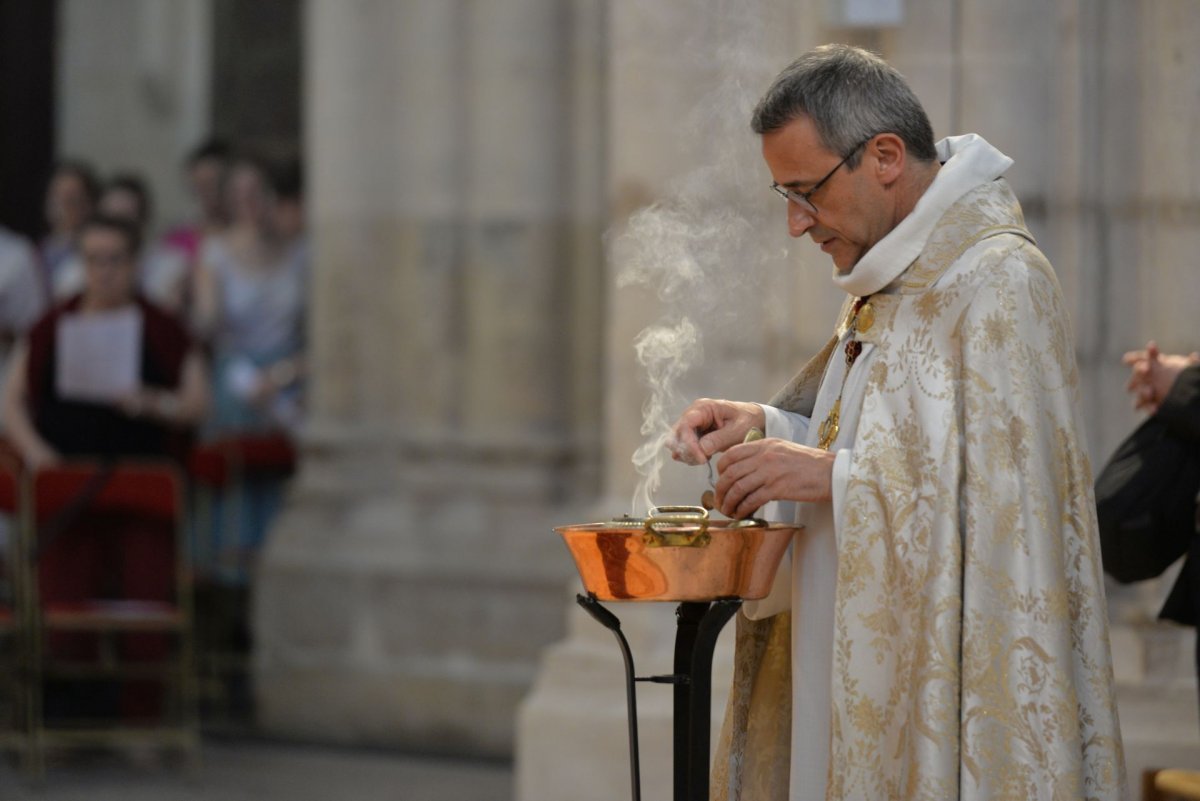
710	426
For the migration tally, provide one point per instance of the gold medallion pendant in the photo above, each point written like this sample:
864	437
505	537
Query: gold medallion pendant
829	427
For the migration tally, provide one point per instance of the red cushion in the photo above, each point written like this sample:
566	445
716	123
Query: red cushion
10	488
138	488
215	463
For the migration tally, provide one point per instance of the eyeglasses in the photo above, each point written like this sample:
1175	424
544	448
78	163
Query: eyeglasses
802	198
102	258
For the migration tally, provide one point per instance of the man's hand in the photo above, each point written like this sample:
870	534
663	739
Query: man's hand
711	426
1152	374
755	473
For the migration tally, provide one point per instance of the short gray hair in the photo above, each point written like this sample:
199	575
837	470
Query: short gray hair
850	94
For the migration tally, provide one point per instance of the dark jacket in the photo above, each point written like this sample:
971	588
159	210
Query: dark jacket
1180	414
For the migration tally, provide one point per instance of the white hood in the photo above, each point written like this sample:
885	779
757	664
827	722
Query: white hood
967	162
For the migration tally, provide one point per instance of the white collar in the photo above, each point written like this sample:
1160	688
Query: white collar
967	162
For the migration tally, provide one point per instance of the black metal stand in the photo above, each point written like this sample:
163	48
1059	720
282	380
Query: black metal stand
698	624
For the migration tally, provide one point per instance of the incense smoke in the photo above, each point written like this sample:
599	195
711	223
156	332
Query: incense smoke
701	248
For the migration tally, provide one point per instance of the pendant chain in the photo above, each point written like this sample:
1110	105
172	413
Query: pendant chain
861	314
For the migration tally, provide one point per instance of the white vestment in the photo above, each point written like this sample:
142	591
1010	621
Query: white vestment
883	667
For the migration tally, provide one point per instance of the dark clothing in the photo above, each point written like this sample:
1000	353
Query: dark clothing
77	428
1180	413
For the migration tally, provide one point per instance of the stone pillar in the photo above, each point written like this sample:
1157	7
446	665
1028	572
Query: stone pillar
687	190
413	578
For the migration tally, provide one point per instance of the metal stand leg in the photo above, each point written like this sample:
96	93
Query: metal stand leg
613	624
698	625
700	689
688	616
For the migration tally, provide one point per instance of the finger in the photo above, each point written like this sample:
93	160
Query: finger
685	447
736	495
692	423
1133	356
736	481
721	439
738	453
752	503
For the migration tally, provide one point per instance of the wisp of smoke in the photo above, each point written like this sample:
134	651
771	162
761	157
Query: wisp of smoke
667	353
700	248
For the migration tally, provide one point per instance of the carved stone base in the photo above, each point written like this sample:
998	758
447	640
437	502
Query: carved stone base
402	618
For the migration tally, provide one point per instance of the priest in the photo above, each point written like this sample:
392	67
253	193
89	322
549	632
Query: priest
939	631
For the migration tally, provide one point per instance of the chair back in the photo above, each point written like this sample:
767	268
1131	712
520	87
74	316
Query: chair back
147	489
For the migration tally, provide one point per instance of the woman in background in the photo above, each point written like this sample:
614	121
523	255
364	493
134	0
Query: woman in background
249	302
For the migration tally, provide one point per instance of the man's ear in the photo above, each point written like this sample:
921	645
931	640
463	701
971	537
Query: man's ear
889	156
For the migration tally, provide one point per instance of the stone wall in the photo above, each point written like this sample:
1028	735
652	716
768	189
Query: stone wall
455	164
134	89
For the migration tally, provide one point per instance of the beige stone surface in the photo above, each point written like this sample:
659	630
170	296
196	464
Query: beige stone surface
133	86
475	346
410	585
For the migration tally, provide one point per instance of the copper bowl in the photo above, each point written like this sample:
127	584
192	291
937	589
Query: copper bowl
677	554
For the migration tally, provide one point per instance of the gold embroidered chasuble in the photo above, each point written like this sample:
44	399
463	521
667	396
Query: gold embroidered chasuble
970	653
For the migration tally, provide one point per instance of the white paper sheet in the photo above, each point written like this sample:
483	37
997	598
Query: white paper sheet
98	355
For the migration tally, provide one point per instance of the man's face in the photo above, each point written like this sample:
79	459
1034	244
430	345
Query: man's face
109	271
851	206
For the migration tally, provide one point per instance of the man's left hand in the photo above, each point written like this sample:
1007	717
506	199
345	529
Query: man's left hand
754	473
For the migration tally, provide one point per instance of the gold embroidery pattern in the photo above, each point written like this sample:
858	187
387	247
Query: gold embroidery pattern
970	620
971	656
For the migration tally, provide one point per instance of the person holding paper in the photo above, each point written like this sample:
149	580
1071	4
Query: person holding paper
106	373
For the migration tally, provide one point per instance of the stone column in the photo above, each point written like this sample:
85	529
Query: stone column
413	578
687	190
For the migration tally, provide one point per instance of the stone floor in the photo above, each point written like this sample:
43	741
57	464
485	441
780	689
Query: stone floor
247	769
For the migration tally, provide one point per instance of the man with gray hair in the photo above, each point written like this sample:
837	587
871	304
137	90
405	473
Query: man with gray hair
940	631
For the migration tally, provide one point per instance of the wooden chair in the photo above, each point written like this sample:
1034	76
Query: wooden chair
71	507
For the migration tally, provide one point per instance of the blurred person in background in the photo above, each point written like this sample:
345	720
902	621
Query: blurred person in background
249	303
1146	493
205	169
162	271
21	303
290	222
127	557
21	297
71	195
173	393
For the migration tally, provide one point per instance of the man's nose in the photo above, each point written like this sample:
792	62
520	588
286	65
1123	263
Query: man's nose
800	219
